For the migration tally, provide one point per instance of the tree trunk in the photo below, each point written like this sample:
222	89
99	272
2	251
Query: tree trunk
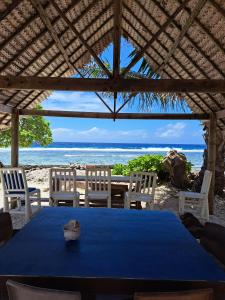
220	166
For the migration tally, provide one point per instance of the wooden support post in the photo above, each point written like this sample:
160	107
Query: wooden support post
15	139
212	158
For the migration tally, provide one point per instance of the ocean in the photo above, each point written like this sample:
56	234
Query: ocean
59	153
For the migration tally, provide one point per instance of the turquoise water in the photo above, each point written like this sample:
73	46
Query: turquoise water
98	153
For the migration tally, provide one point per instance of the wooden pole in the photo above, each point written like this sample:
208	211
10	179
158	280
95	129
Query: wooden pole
212	159
15	138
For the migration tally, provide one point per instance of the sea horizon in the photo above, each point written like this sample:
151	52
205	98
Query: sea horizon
64	153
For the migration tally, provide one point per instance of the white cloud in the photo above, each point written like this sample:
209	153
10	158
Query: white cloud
96	134
74	101
171	130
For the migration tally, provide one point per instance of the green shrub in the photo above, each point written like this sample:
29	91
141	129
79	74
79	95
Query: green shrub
145	163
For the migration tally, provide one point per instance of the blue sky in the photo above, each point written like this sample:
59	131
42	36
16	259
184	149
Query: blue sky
127	131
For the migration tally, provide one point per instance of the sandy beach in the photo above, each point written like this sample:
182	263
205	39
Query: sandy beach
166	196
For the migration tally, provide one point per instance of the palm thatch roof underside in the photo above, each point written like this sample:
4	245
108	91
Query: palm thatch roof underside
191	46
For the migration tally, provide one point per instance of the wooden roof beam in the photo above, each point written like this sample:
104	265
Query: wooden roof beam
113	85
200	4
82	40
139	55
139	116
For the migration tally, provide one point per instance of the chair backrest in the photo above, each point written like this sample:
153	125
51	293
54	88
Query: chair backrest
6	229
62	180
142	182
206	182
204	294
19	291
13	180
98	178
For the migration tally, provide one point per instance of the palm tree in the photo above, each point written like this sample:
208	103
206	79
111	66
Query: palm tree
145	100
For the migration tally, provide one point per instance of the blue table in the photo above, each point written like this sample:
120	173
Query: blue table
119	250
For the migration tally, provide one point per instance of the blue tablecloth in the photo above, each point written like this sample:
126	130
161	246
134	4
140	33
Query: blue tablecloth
114	243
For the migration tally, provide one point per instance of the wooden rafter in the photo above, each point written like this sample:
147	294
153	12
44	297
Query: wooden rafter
200	4
57	55
159	54
55	70
117	20
47	22
180	48
139	55
141	116
41	35
51	44
117	37
82	40
113	85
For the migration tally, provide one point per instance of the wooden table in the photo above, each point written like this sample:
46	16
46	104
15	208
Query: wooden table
120	251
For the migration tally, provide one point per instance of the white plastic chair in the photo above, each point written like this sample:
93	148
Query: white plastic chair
14	185
141	188
20	291
201	198
98	184
62	186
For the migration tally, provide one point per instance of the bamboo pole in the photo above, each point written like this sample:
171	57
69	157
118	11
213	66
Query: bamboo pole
212	159
15	138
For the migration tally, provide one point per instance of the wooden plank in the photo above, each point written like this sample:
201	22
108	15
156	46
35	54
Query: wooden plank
198	7
117	37
212	159
113	85
6	109
15	139
139	55
82	40
220	114
78	114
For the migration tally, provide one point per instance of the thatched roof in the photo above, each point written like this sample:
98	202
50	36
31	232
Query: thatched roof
191	46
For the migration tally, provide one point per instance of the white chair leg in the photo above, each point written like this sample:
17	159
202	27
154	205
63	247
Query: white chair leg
86	201
39	198
128	203
181	204
19	203
6	204
109	202
76	202
28	211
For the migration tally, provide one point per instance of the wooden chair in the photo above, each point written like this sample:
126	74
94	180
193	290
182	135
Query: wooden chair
141	188
19	291
14	185
204	294
6	229
201	198
62	186
98	184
